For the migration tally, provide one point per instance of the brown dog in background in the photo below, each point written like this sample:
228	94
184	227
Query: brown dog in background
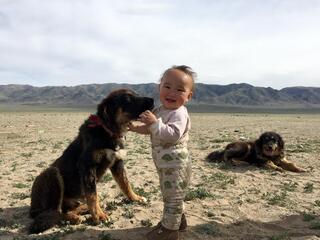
72	177
267	151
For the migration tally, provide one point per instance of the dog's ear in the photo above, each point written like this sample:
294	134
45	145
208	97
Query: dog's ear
281	142
258	146
103	107
258	142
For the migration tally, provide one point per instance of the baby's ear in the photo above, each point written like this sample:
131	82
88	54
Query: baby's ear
190	95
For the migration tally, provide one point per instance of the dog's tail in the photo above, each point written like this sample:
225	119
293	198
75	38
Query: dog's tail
216	156
45	220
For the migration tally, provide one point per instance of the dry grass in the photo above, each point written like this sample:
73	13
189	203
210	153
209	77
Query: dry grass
224	202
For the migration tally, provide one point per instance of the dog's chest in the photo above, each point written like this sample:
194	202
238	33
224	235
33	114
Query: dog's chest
105	158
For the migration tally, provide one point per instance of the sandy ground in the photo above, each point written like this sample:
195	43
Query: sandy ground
223	202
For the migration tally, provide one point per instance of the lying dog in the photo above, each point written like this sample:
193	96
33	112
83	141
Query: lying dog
267	151
74	175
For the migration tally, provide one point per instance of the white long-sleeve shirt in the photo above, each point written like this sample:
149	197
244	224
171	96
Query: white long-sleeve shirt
171	128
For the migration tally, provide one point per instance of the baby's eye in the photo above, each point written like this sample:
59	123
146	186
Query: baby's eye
181	90
168	87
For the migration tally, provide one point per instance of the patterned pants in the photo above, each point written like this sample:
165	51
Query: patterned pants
174	170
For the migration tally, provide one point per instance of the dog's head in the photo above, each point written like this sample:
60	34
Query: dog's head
121	106
271	144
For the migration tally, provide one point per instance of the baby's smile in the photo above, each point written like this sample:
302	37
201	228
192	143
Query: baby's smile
170	100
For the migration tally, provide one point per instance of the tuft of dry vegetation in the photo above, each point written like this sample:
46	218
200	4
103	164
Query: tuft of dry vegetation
223	201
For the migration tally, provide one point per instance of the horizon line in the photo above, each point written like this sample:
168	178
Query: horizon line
243	83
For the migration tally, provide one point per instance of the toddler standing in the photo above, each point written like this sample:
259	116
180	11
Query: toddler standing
168	126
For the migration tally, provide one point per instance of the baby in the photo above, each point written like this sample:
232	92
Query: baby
168	126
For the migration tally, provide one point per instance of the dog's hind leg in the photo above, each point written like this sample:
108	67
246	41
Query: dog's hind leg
236	151
285	164
74	205
72	210
236	162
46	200
216	156
119	174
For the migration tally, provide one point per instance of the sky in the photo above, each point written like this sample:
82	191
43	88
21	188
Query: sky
267	43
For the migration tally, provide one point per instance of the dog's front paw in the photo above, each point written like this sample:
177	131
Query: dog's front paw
72	218
301	170
138	198
100	217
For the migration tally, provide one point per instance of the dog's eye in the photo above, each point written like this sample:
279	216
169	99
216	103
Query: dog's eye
126	99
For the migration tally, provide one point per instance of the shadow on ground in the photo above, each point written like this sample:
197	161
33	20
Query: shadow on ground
14	223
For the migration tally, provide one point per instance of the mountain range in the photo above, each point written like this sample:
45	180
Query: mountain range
232	95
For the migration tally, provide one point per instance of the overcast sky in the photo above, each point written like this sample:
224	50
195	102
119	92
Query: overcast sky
269	43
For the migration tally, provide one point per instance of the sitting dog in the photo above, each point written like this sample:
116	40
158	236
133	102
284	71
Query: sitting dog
267	151
56	192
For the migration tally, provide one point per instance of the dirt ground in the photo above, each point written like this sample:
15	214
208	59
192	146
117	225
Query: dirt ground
224	202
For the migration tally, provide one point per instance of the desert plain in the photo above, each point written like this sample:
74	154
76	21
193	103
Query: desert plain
223	202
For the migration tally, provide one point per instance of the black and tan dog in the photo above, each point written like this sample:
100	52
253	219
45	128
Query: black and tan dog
267	151
72	177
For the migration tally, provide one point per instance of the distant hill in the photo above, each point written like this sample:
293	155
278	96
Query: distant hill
233	95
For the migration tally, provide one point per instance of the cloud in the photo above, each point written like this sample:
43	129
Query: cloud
77	42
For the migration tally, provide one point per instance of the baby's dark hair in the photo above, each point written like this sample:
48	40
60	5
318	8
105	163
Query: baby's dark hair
186	69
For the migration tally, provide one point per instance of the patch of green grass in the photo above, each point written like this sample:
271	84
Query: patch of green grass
3	223
9	224
282	236
221	140
289	186
26	155
305	147
207	229
67	229
20	196
107	178
307	217
249	200
54	236
58	145
254	190
14	166
140	191
146	223
110	206
128	213
20	185
142	150
105	236
198	193
276	198
315	225
308	188
220	179
42	149
210	213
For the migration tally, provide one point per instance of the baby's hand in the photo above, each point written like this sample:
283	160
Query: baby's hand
147	117
138	127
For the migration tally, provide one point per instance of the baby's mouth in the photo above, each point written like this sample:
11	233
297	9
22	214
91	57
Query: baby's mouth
170	100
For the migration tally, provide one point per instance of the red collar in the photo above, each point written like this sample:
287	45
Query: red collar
95	121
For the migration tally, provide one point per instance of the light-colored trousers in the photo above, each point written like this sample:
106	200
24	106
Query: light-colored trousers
174	170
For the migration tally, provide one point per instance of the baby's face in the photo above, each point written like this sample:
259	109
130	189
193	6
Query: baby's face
175	89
